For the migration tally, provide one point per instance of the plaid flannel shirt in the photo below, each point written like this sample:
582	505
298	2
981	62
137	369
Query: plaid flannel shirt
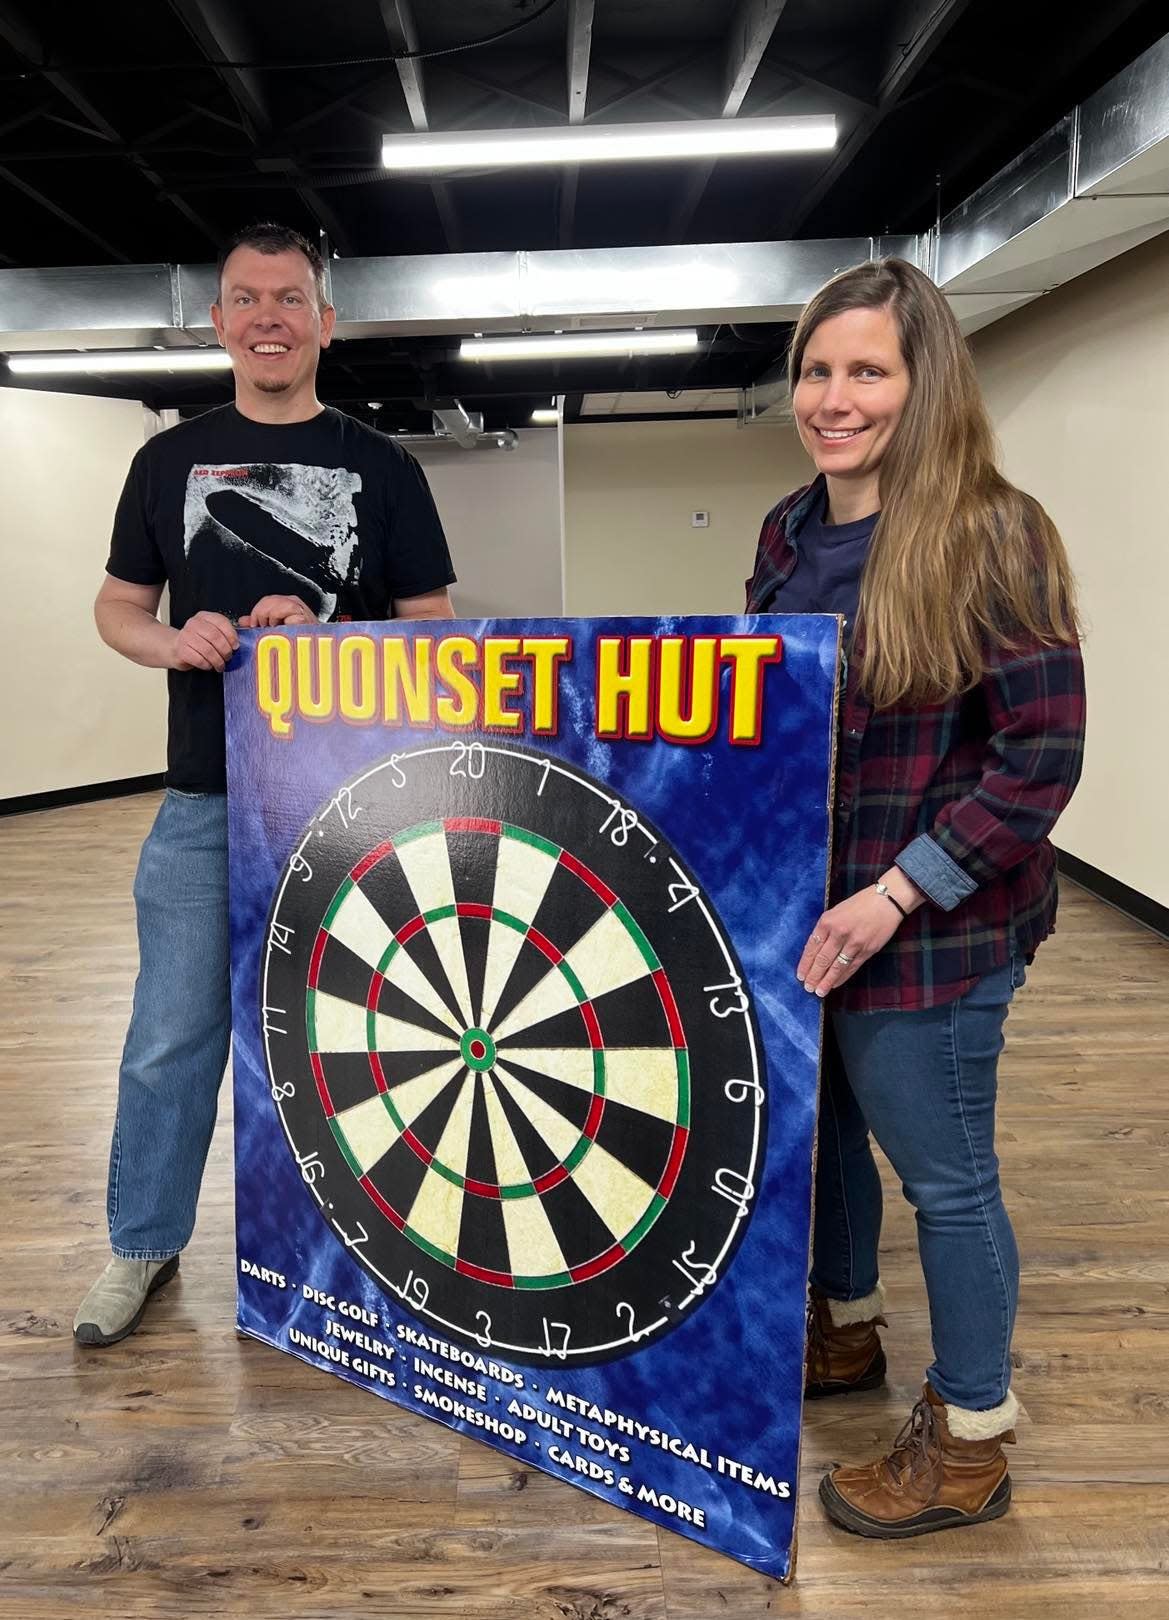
960	795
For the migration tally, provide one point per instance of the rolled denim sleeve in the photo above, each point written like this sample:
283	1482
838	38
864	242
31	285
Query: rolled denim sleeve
942	880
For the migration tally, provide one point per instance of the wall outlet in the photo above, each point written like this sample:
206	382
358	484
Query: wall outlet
700	520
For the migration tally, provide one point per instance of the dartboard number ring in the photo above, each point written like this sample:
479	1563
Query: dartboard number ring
513	1052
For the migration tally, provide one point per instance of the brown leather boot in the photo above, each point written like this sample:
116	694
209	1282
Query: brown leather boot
844	1349
932	1479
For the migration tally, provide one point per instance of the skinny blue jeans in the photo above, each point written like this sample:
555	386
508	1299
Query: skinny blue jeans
180	1030
924	1083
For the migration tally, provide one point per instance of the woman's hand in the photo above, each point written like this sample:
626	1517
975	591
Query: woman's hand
847	935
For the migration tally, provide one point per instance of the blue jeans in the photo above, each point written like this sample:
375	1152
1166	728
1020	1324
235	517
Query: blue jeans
924	1083
177	1044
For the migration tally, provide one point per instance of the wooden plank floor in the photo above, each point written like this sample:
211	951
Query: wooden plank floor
188	1472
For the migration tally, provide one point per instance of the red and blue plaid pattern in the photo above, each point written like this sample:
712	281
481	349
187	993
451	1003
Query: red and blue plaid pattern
982	776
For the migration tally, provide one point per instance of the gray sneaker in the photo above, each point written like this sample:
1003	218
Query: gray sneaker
114	1305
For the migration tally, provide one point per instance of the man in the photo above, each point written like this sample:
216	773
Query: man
272	511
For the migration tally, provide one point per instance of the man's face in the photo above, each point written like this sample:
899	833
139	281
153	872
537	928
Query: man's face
269	321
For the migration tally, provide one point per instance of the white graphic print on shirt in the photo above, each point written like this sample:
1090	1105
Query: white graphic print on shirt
299	519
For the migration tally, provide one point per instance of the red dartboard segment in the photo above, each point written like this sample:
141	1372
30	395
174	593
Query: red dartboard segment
408	930
593	1123
379	1074
485	1189
578	869
544	946
387	1209
371	860
468	908
322	1084
475	824
419	1149
593	1268
596	1039
314	967
550	1179
677	1034
501	1279
674	1163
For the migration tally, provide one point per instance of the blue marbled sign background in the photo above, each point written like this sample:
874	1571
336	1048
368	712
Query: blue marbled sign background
752	824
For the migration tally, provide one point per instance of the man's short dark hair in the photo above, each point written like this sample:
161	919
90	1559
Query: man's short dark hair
268	237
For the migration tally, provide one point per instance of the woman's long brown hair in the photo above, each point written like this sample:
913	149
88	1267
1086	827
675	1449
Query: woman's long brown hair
960	558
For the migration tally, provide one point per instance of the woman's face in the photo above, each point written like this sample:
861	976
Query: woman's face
851	391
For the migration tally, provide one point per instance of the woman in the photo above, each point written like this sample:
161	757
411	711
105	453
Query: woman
960	742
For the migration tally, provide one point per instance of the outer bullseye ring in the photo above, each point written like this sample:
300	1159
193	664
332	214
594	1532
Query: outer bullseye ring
478	1051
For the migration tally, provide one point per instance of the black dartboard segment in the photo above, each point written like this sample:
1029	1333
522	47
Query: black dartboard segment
512	1052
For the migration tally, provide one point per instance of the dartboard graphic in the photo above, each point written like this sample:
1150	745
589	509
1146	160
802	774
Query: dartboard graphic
513	1053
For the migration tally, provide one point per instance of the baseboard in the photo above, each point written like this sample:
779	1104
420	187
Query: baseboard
80	795
1132	902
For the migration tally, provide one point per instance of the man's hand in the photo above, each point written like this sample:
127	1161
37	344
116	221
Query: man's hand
275	610
206	641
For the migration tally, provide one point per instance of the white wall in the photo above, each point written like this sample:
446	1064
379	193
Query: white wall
501	510
629	490
1077	387
74	713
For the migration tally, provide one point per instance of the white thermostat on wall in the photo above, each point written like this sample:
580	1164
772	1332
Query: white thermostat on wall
700	520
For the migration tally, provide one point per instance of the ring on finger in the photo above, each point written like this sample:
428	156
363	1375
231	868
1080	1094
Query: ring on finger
845	961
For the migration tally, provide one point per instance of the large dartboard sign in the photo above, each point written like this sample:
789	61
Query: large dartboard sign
513	1050
525	1084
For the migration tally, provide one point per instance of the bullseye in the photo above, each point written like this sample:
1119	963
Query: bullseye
478	1050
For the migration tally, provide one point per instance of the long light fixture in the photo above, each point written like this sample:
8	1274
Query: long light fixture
577	345
606	143
544	416
113	360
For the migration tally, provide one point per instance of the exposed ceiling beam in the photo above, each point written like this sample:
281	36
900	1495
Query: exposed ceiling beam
517	92
797	74
63	215
749	35
645	87
398	21
25	42
217	32
1077	45
919	28
752	25
578	50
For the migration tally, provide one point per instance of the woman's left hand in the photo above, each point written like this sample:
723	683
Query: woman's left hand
846	936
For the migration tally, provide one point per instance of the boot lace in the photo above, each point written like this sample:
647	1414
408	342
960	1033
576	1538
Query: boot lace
917	1450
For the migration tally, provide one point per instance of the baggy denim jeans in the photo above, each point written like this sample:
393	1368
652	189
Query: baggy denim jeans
180	1030
924	1083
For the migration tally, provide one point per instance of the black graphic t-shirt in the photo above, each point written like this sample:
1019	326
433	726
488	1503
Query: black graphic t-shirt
225	510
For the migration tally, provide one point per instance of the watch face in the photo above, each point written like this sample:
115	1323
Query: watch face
512	1053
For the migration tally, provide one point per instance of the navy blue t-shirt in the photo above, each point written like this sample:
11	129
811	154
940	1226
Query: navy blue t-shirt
829	560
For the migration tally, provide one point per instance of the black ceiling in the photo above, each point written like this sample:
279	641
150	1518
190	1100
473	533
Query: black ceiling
131	132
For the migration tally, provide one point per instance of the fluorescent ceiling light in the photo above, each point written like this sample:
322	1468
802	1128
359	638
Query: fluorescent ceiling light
577	345
33	365
606	143
545	416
